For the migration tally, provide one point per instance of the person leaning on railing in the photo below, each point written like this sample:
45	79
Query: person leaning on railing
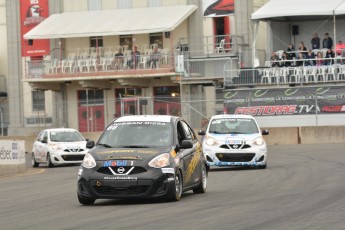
310	56
329	57
274	60
285	60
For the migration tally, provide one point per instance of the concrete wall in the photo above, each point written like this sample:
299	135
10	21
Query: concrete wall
277	136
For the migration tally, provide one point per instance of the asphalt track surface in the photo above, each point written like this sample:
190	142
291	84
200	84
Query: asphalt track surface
302	188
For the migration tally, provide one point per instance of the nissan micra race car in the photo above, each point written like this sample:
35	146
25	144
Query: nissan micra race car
143	156
58	146
234	140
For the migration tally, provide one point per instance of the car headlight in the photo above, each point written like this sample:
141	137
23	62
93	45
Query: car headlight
160	161
259	141
88	162
211	141
55	146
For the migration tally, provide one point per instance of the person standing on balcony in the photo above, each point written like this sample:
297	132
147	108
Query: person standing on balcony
315	41
155	56
118	60
327	42
134	58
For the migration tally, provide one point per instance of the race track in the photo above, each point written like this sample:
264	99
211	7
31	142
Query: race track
302	188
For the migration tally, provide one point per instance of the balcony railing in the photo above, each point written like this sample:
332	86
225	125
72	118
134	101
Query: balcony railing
86	66
332	70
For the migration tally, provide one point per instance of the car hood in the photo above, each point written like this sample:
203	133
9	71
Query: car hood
104	154
223	137
71	145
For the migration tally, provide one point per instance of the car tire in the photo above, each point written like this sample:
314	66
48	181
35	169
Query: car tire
262	166
86	201
49	161
34	163
203	183
175	192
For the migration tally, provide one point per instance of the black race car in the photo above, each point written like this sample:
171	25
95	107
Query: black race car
143	156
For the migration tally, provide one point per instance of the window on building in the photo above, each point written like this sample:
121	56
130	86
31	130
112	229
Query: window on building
126	41
124	4
154	3
38	101
94	97
157	39
96	41
94	5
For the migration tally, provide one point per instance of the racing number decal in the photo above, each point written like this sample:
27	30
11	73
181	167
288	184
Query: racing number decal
193	164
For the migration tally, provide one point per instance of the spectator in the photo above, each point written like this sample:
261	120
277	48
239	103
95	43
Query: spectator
315	41
327	42
310	58
329	57
274	60
291	52
300	59
118	59
155	57
319	59
285	61
134	58
339	47
302	49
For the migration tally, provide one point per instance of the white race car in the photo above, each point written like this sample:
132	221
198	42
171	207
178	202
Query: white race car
58	146
234	140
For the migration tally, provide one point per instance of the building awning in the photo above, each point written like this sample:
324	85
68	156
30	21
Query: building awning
294	8
111	22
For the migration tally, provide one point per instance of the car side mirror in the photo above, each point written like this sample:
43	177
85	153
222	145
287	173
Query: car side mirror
90	144
44	141
265	132
201	132
186	144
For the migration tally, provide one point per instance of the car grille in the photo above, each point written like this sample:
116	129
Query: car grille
107	171
234	146
73	150
130	190
72	157
235	157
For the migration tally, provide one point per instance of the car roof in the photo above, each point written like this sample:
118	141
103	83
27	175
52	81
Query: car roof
231	116
159	118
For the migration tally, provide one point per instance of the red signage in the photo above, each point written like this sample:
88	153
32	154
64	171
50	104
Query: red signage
32	13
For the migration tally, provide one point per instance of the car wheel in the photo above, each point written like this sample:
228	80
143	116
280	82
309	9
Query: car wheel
33	161
262	166
86	201
176	191
203	183
49	161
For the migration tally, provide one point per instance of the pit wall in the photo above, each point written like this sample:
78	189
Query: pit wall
277	136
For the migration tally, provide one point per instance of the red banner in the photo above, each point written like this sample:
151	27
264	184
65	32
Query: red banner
32	13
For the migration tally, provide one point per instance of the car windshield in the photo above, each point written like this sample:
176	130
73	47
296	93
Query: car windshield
137	135
65	136
233	126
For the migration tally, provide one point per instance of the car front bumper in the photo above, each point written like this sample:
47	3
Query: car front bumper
240	157
94	185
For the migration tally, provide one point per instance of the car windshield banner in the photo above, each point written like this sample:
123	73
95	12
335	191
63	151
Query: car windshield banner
285	101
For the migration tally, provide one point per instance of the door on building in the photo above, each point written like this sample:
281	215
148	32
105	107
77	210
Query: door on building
90	110
221	27
129	102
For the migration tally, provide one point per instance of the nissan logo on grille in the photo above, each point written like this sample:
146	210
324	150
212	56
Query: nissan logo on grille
121	170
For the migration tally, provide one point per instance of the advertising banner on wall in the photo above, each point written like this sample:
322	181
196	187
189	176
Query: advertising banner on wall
32	13
12	152
285	101
218	8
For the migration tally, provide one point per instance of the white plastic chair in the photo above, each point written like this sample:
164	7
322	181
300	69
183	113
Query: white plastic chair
220	48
